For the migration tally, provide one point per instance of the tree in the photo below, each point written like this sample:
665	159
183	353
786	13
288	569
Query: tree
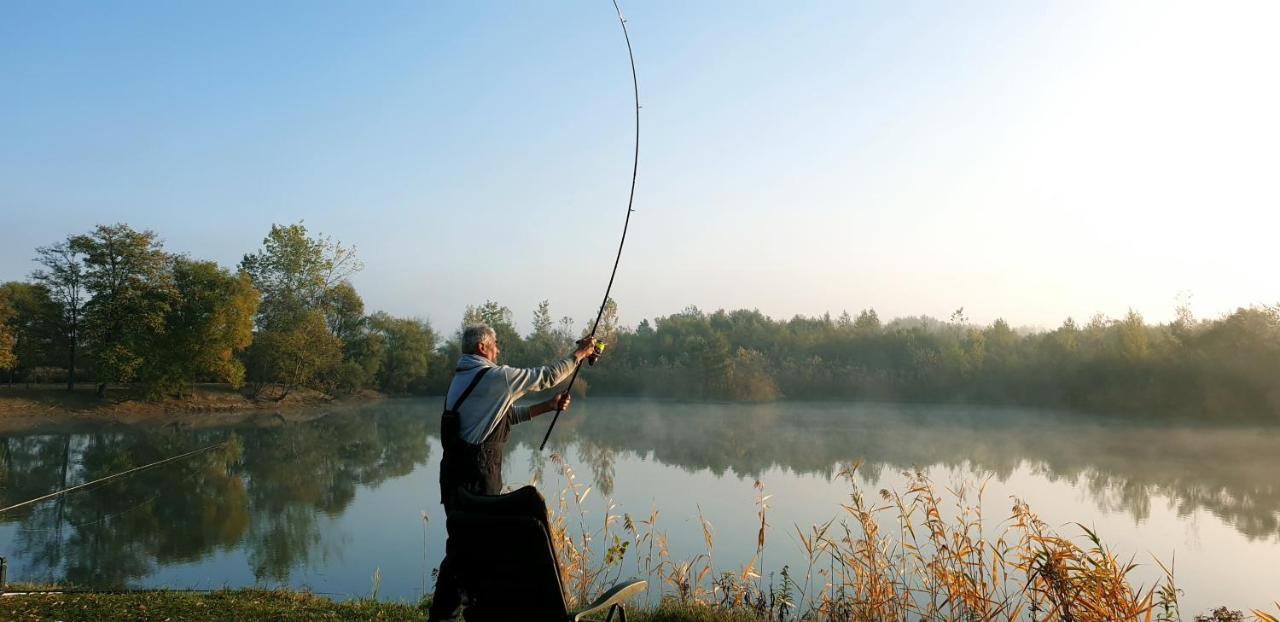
343	311
126	273
33	326
541	345
63	275
209	322
607	329
564	334
8	338
304	355
303	280
499	318
362	360
407	355
867	321
295	273
1131	339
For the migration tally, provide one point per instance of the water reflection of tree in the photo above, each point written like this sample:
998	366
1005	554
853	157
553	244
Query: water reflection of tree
273	489
268	491
298	470
114	533
1228	471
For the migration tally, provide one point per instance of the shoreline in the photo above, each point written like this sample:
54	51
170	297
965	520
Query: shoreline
52	407
36	408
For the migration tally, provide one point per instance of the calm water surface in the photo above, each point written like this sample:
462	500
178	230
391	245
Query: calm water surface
329	503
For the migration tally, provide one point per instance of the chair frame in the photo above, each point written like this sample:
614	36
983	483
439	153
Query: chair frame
516	512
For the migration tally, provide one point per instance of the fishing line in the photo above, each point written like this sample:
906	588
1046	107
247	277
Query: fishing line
92	522
635	85
110	477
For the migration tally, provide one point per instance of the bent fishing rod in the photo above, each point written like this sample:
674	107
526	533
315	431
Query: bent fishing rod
136	469
635	164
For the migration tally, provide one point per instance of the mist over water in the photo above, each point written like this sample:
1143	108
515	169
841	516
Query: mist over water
326	503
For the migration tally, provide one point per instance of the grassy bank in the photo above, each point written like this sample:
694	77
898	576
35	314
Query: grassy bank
222	605
282	605
236	605
26	406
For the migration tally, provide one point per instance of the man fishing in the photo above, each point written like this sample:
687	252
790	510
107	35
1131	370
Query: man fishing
479	412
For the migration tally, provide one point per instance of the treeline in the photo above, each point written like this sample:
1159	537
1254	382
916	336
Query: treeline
1224	368
114	307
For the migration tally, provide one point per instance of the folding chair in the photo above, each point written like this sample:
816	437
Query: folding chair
500	549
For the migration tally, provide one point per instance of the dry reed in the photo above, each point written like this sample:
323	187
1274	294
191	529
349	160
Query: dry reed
927	568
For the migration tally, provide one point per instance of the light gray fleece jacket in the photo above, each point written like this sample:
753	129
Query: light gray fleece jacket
497	393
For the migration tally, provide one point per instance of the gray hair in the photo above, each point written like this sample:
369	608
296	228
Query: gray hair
475	335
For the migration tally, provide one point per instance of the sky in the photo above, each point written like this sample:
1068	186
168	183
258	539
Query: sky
1026	161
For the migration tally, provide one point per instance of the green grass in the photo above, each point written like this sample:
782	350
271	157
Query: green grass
229	605
225	605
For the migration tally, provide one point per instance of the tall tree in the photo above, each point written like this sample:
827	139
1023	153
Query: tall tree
305	355
541	345
210	320
344	311
867	321
33	325
127	274
63	274
8	336
295	272
407	355
500	319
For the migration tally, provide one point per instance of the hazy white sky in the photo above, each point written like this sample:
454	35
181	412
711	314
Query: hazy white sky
1023	160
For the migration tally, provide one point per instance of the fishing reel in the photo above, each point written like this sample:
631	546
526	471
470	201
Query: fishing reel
600	346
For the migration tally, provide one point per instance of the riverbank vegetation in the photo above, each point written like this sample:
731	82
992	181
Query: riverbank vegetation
1218	368
114	307
223	605
922	553
267	491
282	605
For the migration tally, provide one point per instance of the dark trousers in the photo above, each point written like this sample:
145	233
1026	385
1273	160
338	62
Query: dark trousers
448	595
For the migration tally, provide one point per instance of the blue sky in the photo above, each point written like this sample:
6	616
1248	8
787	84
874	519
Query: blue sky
1024	160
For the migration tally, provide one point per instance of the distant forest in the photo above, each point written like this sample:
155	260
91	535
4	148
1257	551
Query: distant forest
113	307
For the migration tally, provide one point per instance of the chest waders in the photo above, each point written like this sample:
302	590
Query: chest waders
477	468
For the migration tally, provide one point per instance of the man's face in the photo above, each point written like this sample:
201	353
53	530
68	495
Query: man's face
489	349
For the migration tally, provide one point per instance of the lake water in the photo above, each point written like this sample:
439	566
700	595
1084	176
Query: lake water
327	504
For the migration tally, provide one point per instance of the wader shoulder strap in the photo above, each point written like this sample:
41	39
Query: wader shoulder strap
467	392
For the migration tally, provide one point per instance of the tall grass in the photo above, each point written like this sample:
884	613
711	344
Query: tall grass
923	553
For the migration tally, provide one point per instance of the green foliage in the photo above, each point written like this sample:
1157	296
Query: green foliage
35	327
343	311
304	355
126	273
542	343
296	274
8	336
500	319
1222	368
62	275
210	320
145	316
363	358
867	322
406	356
304	288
